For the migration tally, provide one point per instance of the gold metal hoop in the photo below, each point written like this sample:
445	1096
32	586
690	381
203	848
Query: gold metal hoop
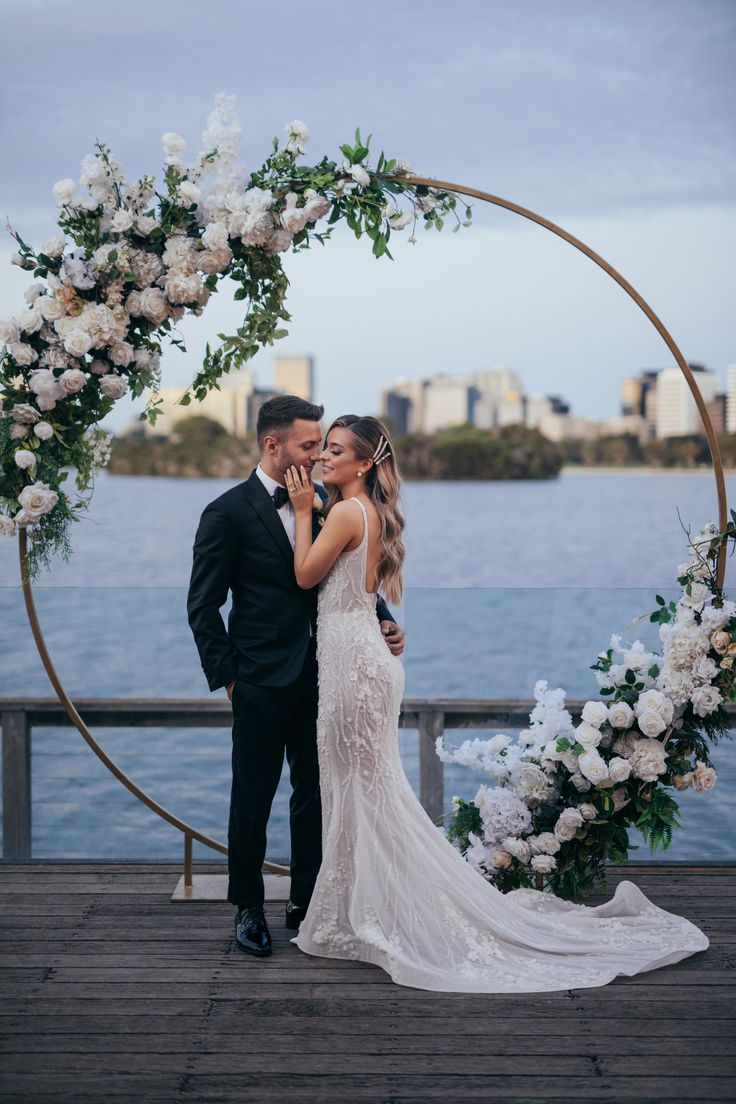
191	833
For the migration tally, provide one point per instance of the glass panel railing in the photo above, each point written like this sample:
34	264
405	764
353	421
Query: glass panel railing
125	643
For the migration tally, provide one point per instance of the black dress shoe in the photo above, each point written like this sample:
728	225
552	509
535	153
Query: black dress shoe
251	932
294	916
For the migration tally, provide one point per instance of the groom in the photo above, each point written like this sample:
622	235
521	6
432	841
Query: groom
266	659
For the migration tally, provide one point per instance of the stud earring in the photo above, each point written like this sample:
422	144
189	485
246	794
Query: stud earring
359	473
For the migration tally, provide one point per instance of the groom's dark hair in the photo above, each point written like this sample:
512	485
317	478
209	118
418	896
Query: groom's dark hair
279	413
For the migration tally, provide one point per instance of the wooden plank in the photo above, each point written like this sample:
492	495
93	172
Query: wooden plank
431	783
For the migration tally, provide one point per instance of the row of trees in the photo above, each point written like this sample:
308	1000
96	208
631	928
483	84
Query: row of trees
200	446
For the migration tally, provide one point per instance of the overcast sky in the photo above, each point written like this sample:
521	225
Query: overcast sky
614	119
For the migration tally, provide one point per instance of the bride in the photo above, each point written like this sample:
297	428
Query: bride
391	889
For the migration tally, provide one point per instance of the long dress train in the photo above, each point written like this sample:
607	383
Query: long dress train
394	892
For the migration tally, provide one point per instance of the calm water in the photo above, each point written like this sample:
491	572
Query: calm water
507	583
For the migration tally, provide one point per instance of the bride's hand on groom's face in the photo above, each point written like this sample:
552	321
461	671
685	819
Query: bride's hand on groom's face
300	488
393	634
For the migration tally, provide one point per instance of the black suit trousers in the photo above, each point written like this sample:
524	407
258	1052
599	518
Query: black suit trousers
269	721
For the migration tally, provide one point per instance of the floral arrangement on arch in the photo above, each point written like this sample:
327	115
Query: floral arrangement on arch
130	261
566	794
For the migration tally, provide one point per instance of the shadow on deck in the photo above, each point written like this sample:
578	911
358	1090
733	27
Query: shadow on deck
110	991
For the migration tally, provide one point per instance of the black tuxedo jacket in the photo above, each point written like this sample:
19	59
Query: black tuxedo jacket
241	546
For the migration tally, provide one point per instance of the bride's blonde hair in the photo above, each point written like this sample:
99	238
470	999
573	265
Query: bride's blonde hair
382	483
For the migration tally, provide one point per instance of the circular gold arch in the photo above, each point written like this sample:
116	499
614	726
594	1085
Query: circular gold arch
190	833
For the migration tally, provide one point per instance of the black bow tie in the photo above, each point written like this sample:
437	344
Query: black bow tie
280	497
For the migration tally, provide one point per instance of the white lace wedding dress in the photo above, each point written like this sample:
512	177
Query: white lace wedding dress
393	891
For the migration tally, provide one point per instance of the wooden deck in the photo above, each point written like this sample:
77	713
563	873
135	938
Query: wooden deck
111	992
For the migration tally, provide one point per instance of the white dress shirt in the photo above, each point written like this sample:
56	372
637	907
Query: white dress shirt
286	513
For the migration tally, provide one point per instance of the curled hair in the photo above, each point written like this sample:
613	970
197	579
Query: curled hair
382	483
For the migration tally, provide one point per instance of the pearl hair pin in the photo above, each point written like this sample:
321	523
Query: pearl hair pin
381	452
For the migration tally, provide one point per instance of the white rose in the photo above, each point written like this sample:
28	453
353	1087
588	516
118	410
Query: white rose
19	431
651	723
154	306
587	735
568	823
570	760
543	864
595	713
23	354
55	246
293	218
501	859
72	380
619	798
122	220
620	715
36	500
619	769
593	767
51	308
706	699
63	191
133	303
8	527
9	332
548	843
215	260
23	412
99	367
77	343
24	458
704	778
279	242
358	173
654	701
519	848
698	596
30	319
588	811
581	784
648	759
121	354
113	386
189	192
44	431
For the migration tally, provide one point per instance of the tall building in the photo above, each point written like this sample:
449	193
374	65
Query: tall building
638	401
731	399
677	413
294	376
448	401
403	403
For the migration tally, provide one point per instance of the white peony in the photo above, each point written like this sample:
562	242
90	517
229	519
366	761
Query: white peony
25	459
9	331
530	782
215	260
593	767
706	700
648	759
183	289
113	386
30	319
55	246
595	713
215	236
72	380
44	431
51	308
620	715
23	353
189	192
63	191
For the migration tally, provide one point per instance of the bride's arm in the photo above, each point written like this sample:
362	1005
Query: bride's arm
312	560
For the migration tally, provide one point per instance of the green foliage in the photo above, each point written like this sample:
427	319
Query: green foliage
658	819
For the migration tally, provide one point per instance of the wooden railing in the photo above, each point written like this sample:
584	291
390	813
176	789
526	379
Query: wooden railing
430	716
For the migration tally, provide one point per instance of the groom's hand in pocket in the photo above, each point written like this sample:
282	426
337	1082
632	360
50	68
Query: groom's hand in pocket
393	634
230	689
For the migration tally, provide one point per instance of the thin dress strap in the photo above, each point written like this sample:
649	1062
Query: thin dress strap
365	518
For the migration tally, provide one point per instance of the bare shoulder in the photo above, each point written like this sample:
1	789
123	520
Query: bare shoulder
346	516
